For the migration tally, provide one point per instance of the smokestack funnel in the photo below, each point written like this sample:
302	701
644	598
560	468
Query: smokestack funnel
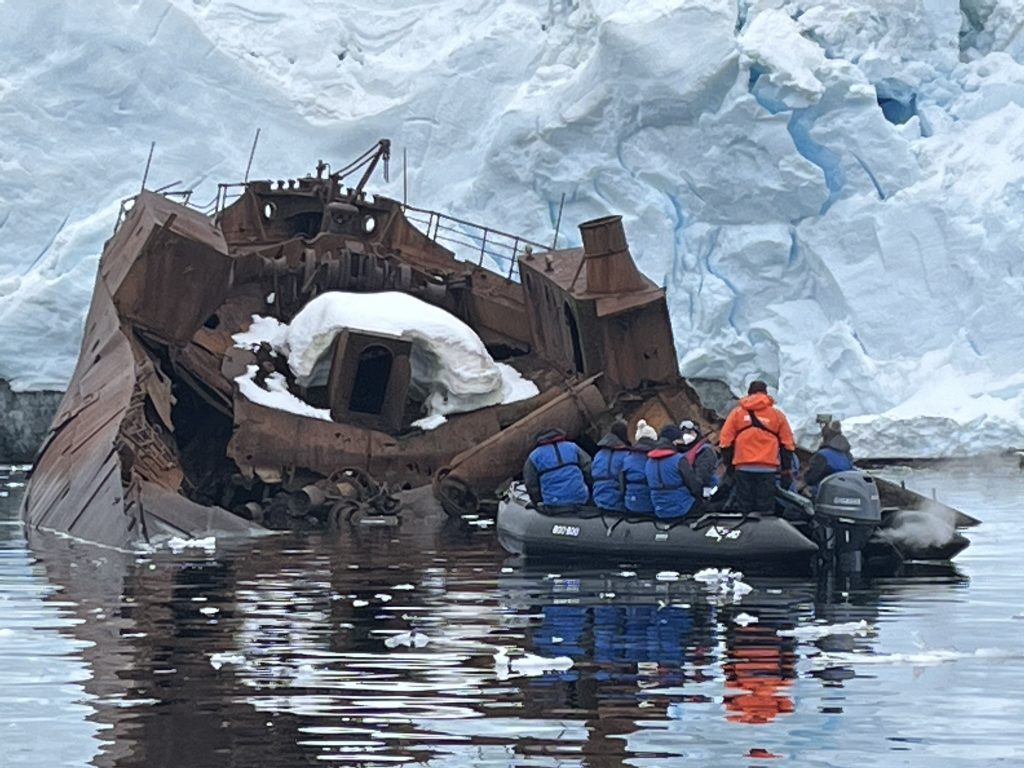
610	267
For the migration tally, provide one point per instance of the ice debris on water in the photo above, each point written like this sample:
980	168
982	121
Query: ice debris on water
513	662
408	639
745	619
917	659
818	631
667	576
177	544
725	584
220	658
209	610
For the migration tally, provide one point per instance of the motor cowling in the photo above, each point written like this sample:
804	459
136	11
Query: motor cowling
847	510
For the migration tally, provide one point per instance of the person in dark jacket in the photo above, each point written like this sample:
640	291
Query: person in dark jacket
701	455
634	470
833	456
607	469
675	489
557	471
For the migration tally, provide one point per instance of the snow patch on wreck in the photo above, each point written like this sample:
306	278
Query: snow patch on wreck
451	370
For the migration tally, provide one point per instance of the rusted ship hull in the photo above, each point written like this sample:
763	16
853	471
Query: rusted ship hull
154	437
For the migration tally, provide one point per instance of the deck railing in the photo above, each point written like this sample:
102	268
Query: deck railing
473	242
485	246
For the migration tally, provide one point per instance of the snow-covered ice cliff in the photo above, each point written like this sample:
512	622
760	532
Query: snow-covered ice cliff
831	190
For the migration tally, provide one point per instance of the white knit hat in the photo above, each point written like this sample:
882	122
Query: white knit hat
643	429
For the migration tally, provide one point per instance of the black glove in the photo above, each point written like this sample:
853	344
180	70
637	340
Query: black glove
786	459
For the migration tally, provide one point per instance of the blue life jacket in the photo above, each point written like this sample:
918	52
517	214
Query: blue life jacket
638	494
838	461
562	483
605	470
669	494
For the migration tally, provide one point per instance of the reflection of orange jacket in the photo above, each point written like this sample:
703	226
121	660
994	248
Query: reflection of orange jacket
760	676
753	446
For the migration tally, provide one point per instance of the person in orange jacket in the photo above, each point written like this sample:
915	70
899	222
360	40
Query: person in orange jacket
756	441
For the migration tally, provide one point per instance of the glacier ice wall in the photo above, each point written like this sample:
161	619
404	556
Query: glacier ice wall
829	189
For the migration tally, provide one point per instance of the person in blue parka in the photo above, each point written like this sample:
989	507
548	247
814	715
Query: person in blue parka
607	469
557	471
833	456
634	470
675	489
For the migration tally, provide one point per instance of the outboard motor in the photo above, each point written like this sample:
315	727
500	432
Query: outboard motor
847	510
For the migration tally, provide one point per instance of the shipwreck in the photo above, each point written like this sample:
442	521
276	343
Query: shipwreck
189	411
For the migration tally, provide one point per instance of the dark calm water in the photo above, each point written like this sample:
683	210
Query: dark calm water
420	646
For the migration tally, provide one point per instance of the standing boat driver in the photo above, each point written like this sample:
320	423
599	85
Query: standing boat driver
557	471
634	470
675	490
833	456
607	469
756	443
701	455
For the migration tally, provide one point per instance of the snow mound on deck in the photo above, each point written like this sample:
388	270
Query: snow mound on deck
452	371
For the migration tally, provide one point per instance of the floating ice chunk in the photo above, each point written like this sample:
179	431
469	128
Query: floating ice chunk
383	597
920	658
530	664
627	574
527	664
408	639
177	544
219	659
724	583
817	631
667	576
360	603
745	619
209	610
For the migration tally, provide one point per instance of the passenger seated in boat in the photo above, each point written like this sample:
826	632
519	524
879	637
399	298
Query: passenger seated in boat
557	471
675	489
609	485
634	470
701	455
833	456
